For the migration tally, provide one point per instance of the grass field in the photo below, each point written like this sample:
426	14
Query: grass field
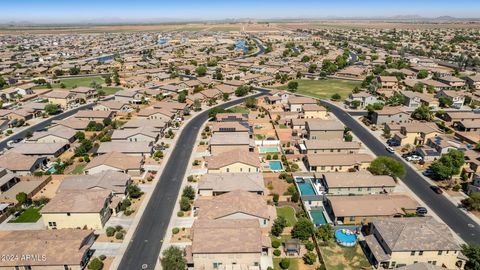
294	262
30	215
239	109
324	89
79	169
288	213
85	82
344	258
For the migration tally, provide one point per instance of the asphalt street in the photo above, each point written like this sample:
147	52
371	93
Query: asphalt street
144	248
452	215
43	124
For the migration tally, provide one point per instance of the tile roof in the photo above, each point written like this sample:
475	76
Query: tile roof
226	182
77	201
231	157
106	180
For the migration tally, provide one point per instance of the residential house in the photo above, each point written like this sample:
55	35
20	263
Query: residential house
319	129
214	184
114	106
141	134
85	93
362	209
21	164
330	146
115	161
226	141
337	162
78	209
456	97
53	135
314	111
64	99
416	133
233	162
397	242
129	96
113	181
96	116
358	183
126	147
47	249
296	103
363	98
389	115
50	150
388	82
237	204
474	81
232	117
453	82
227	244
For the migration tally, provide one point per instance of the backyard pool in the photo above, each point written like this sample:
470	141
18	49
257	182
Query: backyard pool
346	238
305	186
268	149
275	166
318	217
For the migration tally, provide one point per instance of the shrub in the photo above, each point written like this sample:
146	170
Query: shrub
95	264
175	230
119	236
275	243
309	246
128	212
289	179
309	258
189	192
277	252
275	156
118	228
102	257
180	214
110	231
285	263
185	204
268	157
276	197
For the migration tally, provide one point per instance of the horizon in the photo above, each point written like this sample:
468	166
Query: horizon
148	11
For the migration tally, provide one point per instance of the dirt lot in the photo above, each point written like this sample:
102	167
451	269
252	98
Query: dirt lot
51	188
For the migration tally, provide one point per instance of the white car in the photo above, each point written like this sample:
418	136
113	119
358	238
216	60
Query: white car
414	158
390	149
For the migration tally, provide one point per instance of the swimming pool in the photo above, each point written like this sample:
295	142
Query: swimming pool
318	217
305	186
346	238
275	166
268	149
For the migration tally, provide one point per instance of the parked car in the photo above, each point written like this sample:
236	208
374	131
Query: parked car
421	211
392	142
390	149
437	189
428	172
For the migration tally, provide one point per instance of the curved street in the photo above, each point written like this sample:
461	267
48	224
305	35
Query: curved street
453	216
144	248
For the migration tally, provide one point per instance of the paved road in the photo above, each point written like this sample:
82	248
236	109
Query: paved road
144	248
43	124
454	217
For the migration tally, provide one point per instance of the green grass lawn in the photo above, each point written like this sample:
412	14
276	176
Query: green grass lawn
239	109
72	82
294	262
111	90
30	215
79	169
324	89
288	213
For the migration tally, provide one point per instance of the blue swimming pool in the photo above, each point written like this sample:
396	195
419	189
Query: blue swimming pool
268	149
305	186
275	166
318	217
346	238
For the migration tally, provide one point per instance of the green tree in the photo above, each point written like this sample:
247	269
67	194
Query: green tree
387	166
278	225
108	80
472	203
172	259
22	198
241	91
309	258
473	255
251	102
423	113
445	102
3	83
422	74
284	263
201	71
185	204
336	97
134	191
80	136
182	97
189	192
449	164
303	229
292	86
325	232
51	108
